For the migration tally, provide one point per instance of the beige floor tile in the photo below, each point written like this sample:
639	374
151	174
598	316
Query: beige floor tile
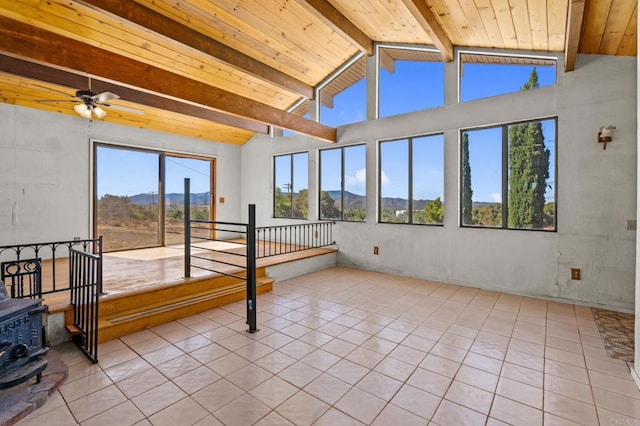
217	395
127	369
209	353
568	388
302	409
608	417
341	348
180	333
196	379
96	403
158	398
379	385
60	416
575	359
368	327
520	392
332	329
137	337
55	401
193	343
361	405
126	414
481	362
116	357
272	419
440	365
392	335
526	347
570	409
273	391
525	360
488	349
515	413
429	381
365	357
81	370
567	371
249	377
416	401
111	346
407	354
377	344
608	366
616	384
553	420
333	417
178	366
153	343
393	415
321	359
163	355
316	338
299	374
85	386
275	362
297	349
522	374
243	411
348	371
140	383
395	369
616	402
470	397
227	364
327	388
565	345
449	413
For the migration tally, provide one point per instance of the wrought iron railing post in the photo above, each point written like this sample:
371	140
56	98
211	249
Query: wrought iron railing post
251	270
187	227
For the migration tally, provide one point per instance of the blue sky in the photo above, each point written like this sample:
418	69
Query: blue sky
414	86
130	172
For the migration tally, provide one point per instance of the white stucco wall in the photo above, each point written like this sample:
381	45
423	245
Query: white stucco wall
45	171
596	193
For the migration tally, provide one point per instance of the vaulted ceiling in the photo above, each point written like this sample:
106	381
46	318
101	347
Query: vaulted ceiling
224	70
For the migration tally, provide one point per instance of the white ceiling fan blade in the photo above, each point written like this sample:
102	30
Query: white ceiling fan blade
56	101
105	96
125	109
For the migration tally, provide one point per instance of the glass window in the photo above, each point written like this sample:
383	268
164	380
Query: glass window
483	76
291	184
344	99
410	80
343	176
508	176
412	180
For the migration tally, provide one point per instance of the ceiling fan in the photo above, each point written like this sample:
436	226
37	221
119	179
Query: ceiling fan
90	103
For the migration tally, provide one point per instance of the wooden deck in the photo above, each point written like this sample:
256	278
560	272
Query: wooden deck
144	270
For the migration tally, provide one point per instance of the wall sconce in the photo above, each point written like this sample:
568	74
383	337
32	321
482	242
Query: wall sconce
606	134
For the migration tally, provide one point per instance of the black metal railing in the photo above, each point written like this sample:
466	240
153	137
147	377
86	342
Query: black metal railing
85	276
20	260
283	239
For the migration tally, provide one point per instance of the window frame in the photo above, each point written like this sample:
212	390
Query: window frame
342	182
410	161
291	181
505	175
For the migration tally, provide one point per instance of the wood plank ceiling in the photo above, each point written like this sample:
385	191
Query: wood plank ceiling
224	70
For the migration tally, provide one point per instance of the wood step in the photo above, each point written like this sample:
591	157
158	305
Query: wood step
131	317
73	329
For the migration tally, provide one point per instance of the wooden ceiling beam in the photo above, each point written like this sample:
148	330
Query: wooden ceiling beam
44	46
575	21
39	72
428	21
339	23
156	22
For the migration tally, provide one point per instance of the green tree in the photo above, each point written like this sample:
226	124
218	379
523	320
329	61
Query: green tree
281	204
528	171
328	209
467	191
301	204
434	211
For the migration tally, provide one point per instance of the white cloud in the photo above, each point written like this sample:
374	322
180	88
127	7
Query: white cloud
496	197
359	177
384	178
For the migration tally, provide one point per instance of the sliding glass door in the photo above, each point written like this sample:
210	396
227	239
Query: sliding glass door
199	171
139	196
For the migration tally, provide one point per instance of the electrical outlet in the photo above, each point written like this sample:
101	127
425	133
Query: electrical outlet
76	238
575	274
375	249
630	225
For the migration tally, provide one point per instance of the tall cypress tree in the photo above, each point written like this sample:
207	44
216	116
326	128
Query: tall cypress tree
467	191
528	170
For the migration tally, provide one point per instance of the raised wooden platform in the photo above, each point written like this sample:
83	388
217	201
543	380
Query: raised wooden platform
144	288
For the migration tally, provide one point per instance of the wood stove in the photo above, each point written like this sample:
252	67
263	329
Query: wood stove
22	340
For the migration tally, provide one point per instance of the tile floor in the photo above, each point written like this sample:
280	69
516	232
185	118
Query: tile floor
349	347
